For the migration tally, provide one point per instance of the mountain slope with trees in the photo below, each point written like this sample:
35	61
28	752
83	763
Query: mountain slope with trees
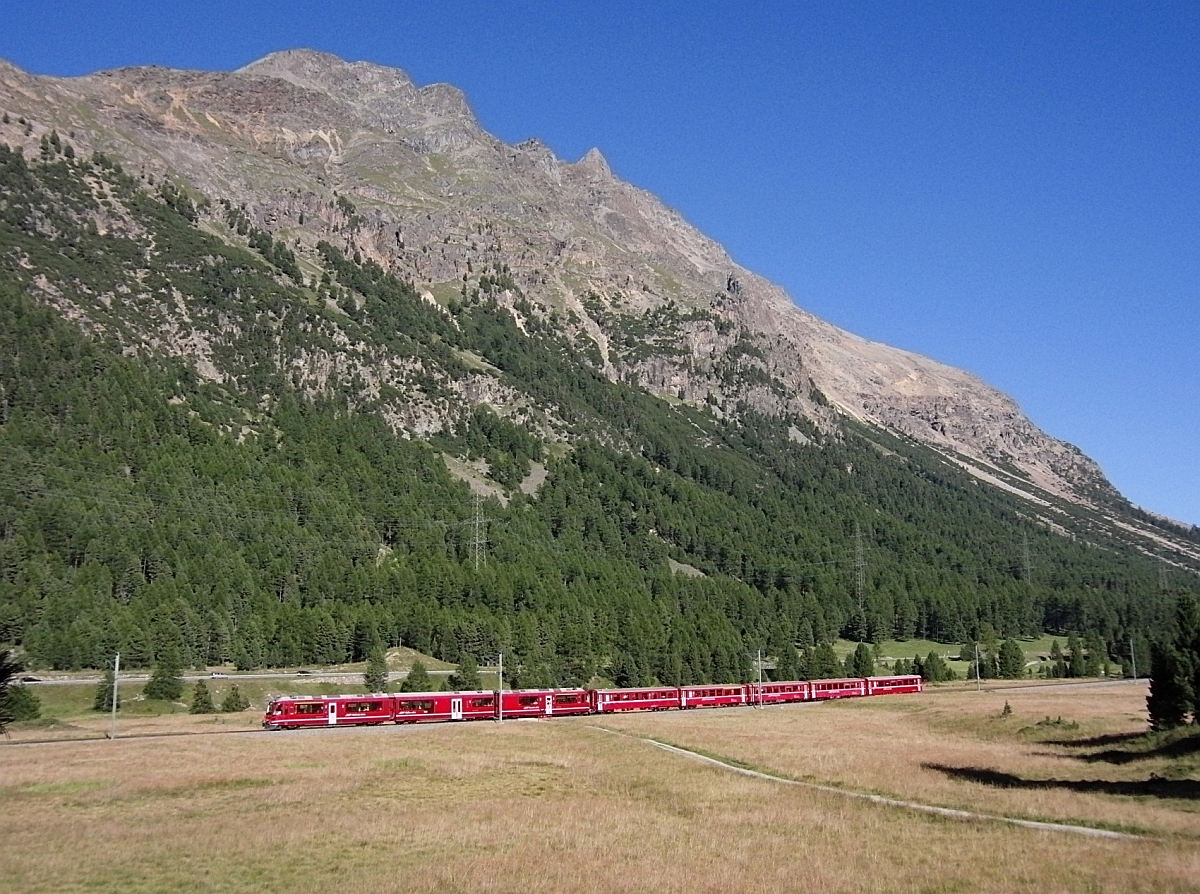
264	507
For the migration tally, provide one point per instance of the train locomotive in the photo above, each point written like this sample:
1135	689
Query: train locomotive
299	712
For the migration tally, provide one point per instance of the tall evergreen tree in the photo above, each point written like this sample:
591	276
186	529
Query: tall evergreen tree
418	679
234	701
466	677
1174	675
9	668
202	702
375	679
166	680
862	663
1011	660
103	699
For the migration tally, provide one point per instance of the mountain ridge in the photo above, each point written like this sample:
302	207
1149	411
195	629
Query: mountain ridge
422	174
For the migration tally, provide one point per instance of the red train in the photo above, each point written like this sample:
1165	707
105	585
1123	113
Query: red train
294	712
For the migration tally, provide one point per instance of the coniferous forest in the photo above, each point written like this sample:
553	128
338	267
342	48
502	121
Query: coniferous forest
251	517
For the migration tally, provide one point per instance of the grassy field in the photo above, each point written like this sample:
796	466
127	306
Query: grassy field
589	804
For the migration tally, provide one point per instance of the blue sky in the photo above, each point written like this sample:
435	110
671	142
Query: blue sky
1012	188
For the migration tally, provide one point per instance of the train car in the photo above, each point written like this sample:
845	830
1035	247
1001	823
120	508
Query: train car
894	685
712	695
292	712
433	707
822	689
778	693
609	701
295	712
544	702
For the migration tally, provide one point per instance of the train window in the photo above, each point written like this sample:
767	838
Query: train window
481	702
310	709
362	707
527	700
425	706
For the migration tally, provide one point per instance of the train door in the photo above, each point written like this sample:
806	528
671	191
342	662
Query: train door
332	713
456	709
549	704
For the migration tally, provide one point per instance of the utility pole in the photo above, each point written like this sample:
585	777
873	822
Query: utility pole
479	539
760	701
977	665
1162	574
1028	563
112	732
860	574
1132	658
500	692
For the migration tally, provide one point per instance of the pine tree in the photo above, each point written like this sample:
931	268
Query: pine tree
863	663
935	670
1075	664
1171	696
103	700
8	672
466	678
1174	671
375	679
417	680
234	701
1011	660
166	681
202	702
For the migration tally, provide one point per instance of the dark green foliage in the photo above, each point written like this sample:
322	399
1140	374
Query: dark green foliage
9	668
418	679
1011	660
466	677
144	508
166	680
103	699
375	678
933	669
23	704
1175	670
860	662
234	701
202	702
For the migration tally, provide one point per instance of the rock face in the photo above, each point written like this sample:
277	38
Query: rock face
315	148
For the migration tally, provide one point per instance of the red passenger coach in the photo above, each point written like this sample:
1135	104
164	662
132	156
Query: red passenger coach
711	696
544	702
778	693
838	688
893	685
609	701
344	710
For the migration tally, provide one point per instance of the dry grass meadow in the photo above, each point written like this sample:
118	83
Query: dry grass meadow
565	806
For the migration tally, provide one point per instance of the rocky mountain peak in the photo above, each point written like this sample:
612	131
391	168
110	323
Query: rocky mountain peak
293	135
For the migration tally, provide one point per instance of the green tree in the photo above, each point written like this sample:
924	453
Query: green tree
934	669
103	699
9	668
1011	660
418	679
862	662
23	703
466	677
234	701
1171	696
1076	665
375	679
166	680
202	702
1174	671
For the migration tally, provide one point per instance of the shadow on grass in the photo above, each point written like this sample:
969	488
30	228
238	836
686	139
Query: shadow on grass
1154	787
1137	746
